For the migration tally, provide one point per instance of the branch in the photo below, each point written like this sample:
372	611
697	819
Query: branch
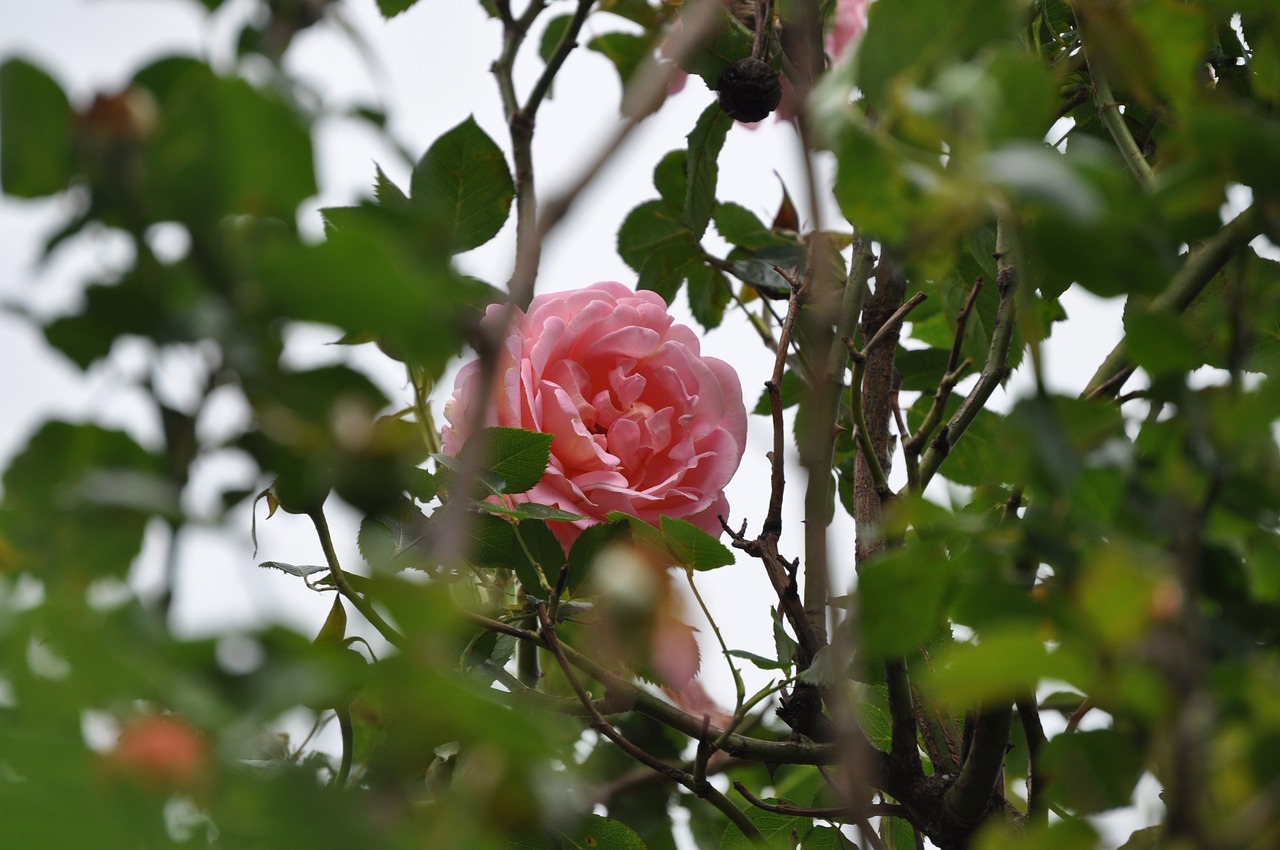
851	813
966	801
994	370
1201	265
627	696
1029	715
702	788
1113	120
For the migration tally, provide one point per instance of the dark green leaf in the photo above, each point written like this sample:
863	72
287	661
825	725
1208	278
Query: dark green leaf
463	184
545	555
1092	771
709	294
705	143
670	178
519	458
739	226
791	390
894	622
53	520
647	228
551	36
35	132
226	148
391	8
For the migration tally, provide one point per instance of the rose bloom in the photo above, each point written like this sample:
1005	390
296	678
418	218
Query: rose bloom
643	423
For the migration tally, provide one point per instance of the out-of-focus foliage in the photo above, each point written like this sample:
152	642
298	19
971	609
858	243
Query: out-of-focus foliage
1096	601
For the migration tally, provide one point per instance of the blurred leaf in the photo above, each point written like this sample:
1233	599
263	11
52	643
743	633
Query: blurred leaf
728	42
937	31
706	140
462	183
334	628
790	391
1092	771
896	620
391	8
625	50
225	148
758	660
54	530
1007	662
551	36
35	132
590	543
601	833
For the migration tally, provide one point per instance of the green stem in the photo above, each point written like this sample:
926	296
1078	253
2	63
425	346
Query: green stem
344	587
1113	120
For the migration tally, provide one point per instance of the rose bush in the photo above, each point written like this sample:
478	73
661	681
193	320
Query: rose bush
643	423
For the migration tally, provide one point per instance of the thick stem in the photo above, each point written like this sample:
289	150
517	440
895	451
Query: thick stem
968	800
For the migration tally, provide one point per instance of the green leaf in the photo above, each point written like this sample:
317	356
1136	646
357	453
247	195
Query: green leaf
670	178
706	140
551	36
625	50
669	265
53	518
601	833
783	643
825	838
35	132
693	547
709	293
778	830
740	226
1007	662
462	183
493	543
938	32
225	148
391	8
791	390
545	555
335	625
1092	771
385	538
518	457
758	660
728	42
647	228
895	622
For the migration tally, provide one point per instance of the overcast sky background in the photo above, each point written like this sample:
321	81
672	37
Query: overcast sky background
433	73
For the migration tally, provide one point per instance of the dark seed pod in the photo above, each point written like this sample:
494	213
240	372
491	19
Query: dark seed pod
749	90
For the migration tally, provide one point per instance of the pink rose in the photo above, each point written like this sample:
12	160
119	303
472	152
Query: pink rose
643	423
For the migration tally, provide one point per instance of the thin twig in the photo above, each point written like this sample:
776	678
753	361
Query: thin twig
891	324
702	789
875	810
